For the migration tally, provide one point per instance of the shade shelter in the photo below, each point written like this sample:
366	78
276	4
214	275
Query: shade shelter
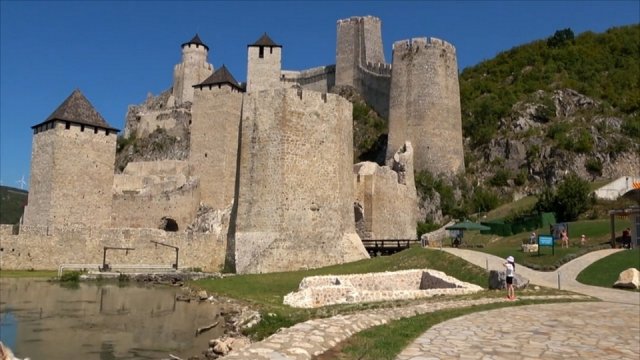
460	227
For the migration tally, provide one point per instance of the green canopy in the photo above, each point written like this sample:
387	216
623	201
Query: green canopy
467	225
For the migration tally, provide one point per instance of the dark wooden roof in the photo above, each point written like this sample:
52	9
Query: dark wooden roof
77	109
220	76
265	40
196	41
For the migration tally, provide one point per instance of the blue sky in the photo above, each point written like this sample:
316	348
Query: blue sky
117	52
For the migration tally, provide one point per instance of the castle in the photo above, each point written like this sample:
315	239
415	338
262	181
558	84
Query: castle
269	162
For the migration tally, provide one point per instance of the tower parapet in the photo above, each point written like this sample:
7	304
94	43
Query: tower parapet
424	105
193	69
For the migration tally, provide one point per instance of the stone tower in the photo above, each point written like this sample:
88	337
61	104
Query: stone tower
360	61
424	106
215	128
193	69
264	64
72	167
295	192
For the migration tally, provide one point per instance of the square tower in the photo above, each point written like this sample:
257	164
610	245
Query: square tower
264	64
72	162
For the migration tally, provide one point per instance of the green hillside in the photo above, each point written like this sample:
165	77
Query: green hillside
12	202
603	66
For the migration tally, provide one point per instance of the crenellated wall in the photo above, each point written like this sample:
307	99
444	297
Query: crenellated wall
214	143
320	79
424	106
46	248
295	195
71	175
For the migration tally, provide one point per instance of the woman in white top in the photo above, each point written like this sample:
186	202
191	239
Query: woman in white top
511	270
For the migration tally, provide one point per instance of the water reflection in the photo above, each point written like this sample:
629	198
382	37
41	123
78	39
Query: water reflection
46	321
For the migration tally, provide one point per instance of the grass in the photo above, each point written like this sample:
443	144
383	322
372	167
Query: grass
28	273
597	232
605	271
266	291
387	341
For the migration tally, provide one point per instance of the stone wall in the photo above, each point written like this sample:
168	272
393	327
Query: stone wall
320	79
71	176
424	107
193	70
214	143
147	210
43	248
387	196
317	291
295	197
263	72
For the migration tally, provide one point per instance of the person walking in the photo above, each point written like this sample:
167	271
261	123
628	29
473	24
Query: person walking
510	265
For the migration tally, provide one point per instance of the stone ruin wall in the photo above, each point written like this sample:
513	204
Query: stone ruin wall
360	61
147	191
386	197
46	248
79	183
214	143
425	105
295	200
318	291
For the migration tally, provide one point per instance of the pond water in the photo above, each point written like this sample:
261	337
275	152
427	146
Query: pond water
48	321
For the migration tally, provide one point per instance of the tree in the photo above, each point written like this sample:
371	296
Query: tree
560	38
571	199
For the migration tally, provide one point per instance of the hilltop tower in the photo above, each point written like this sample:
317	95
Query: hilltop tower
264	64
360	60
295	185
215	129
424	106
193	69
72	167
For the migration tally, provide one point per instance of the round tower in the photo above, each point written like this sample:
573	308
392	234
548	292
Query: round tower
424	105
264	62
193	69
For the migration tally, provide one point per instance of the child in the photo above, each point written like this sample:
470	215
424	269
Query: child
511	270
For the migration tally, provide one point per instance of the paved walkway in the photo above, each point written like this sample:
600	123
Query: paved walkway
606	330
552	331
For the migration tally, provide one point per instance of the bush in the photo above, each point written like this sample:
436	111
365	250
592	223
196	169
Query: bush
424	228
594	166
72	276
500	178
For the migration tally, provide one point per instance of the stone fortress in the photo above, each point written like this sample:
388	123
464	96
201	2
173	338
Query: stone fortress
268	163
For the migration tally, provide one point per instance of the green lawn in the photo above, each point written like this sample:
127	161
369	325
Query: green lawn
28	273
597	232
266	291
604	272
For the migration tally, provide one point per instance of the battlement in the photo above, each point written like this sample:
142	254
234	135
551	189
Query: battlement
302	95
424	42
379	68
358	19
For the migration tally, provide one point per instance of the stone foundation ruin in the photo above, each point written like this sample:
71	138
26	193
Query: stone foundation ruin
318	291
